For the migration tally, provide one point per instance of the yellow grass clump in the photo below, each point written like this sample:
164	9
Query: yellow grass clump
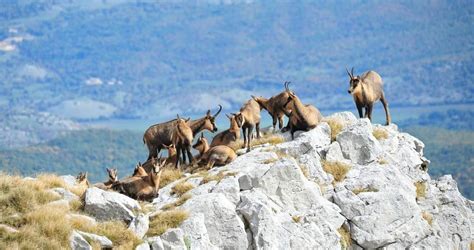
271	139
165	220
169	175
337	169
364	190
428	217
178	202
380	133
346	240
181	188
217	177
336	127
420	189
25	206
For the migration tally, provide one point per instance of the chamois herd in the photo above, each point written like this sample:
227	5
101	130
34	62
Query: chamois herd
176	136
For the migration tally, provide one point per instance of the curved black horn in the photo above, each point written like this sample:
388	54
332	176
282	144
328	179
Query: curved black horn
349	73
218	111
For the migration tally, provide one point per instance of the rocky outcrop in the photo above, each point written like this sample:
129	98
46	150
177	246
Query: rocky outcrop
104	205
284	197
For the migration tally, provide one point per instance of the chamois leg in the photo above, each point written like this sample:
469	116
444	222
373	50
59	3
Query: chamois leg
280	122
274	122
369	111
359	109
249	139
190	156
388	119
152	152
257	127
244	130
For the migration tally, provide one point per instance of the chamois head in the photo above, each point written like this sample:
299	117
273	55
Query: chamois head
201	144
112	174
155	174
210	120
171	149
291	95
353	80
82	178
140	170
262	101
236	119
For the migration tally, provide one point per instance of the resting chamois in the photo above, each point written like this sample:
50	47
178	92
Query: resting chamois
141	171
275	106
141	188
218	155
229	135
366	90
160	134
251	115
112	172
182	137
81	179
301	117
172	155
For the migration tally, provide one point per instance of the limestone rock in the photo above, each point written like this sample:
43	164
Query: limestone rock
105	205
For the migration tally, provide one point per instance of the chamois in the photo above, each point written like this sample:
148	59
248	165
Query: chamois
141	188
160	134
112	172
366	90
275	106
301	117
251	116
81	179
140	170
182	137
229	135
172	155
218	155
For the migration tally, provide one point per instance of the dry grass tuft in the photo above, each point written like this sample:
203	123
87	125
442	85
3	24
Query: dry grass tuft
336	127
364	190
269	161
177	203
380	133
337	169
271	139
428	217
305	171
217	177
24	206
165	220
346	240
420	189
169	175
382	161
296	218
181	188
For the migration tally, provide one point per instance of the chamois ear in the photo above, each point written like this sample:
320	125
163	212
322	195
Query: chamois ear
253	97
177	116
208	113
202	135
85	175
228	116
187	120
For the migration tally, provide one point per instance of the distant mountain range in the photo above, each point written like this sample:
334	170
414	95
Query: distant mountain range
86	60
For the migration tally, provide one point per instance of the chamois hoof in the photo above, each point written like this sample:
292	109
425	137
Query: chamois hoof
248	150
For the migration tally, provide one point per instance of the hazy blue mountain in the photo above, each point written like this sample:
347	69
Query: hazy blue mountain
158	58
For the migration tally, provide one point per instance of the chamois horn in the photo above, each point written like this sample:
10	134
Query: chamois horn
218	111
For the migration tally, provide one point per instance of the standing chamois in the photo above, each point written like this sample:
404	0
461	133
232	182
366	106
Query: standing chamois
141	187
275	106
218	155
160	134
229	135
366	90
182	137
301	117
251	116
112	172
